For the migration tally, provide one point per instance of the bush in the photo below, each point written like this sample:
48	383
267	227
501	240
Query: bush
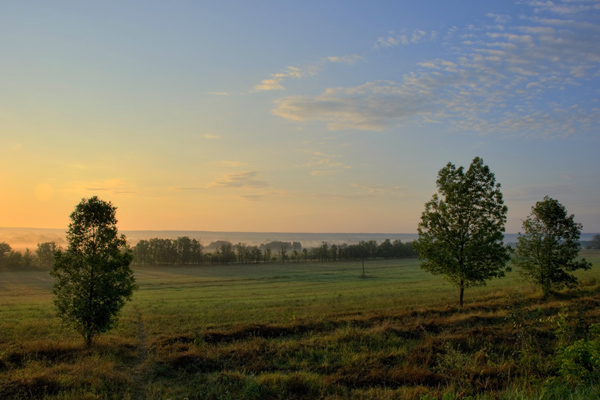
577	353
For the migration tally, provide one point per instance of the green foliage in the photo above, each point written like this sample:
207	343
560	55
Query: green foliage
548	249
5	250
188	251
182	251
577	358
580	361
462	229
10	258
45	254
6	253
93	276
568	328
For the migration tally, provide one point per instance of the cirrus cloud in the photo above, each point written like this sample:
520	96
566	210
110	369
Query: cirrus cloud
274	83
372	106
500	78
245	179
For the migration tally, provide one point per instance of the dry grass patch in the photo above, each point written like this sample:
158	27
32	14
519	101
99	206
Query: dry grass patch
47	369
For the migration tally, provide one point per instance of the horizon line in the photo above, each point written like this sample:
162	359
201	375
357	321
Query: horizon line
265	232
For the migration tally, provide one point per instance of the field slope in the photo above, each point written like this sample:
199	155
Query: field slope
307	330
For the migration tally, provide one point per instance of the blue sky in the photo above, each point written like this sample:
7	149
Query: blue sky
294	116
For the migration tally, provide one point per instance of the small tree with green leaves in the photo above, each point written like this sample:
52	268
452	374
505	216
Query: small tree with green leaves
548	249
462	228
93	275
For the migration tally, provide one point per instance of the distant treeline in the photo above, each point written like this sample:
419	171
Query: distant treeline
189	251
43	256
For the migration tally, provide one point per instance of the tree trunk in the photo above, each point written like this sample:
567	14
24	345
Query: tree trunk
546	288
88	339
462	291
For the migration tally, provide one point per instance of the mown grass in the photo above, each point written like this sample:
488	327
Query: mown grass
285	331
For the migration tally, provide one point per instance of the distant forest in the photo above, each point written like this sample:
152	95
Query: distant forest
188	251
42	258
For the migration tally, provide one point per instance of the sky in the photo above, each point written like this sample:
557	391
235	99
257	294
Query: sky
294	116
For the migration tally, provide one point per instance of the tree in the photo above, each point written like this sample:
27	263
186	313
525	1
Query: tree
196	252
371	247
183	247
363	251
225	254
549	247
305	254
141	252
27	259
334	250
595	242
5	251
323	251
283	249
93	275
45	254
386	249
462	228
267	255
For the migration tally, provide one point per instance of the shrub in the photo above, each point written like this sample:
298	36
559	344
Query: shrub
580	361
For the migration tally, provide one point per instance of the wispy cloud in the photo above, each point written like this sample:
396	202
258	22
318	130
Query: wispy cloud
269	84
404	38
219	93
275	81
499	18
498	78
114	186
325	164
371	106
211	136
375	189
347	59
566	7
245	179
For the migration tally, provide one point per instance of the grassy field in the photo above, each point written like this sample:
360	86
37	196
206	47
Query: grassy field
307	330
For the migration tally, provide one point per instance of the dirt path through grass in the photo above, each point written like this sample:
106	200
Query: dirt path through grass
139	369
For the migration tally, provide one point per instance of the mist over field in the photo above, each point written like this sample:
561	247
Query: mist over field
22	238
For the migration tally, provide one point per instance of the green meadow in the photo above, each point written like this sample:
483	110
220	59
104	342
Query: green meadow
296	330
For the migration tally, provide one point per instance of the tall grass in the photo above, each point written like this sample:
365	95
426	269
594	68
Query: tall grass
307	330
